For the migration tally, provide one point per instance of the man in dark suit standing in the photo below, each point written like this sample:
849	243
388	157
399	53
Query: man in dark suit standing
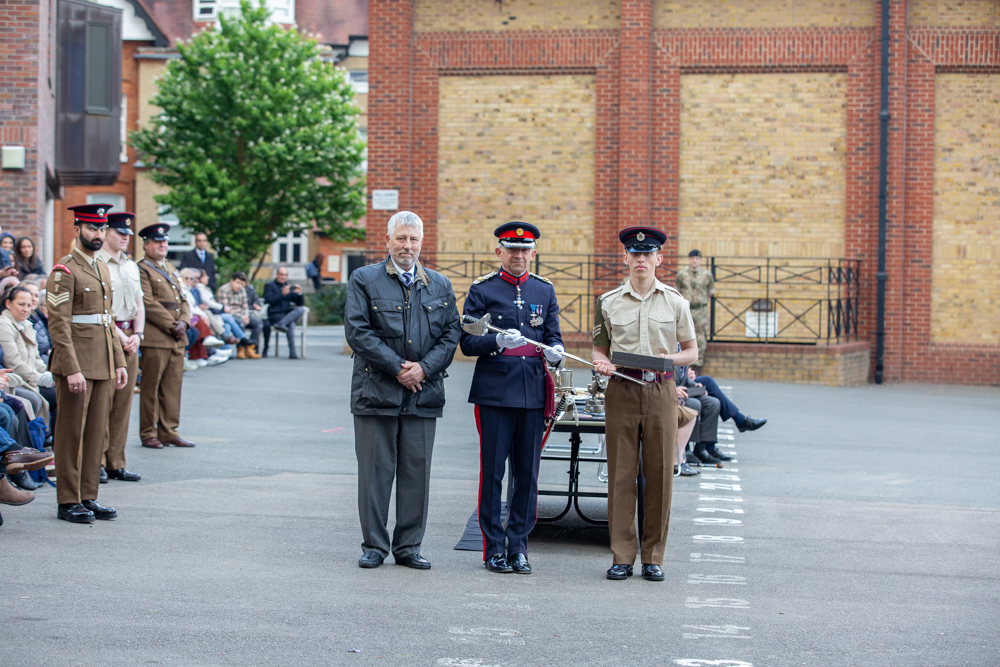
200	258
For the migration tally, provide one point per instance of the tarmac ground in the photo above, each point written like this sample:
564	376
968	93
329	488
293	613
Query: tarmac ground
860	526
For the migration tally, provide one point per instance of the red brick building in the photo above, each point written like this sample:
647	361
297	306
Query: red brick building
748	129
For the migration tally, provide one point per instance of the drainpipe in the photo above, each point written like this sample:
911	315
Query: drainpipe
883	187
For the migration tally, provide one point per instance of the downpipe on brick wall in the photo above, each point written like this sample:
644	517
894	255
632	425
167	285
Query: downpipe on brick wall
883	187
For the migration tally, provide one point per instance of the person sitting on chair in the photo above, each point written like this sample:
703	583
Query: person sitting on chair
284	306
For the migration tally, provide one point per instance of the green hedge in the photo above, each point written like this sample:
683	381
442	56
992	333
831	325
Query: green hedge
327	305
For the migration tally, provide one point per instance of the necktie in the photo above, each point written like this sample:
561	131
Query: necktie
407	278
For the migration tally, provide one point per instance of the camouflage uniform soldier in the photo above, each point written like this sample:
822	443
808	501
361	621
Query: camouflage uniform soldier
697	286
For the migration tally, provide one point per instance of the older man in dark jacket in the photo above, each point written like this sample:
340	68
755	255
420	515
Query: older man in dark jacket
402	323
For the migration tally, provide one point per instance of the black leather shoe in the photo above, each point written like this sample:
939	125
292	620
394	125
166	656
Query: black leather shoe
498	563
688	471
371	559
75	513
104	475
416	561
750	424
703	455
22	480
619	572
652	573
692	460
519	564
714	451
100	513
124	475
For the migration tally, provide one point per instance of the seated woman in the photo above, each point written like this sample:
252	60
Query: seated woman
199	334
40	320
28	264
20	353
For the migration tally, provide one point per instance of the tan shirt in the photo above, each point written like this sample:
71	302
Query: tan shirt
127	286
649	325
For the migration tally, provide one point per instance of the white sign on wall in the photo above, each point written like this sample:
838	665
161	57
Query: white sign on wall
385	200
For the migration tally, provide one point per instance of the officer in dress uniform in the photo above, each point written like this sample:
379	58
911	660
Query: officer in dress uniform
88	365
646	317
508	390
130	321
167	320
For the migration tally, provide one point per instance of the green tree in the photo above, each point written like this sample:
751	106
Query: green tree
257	138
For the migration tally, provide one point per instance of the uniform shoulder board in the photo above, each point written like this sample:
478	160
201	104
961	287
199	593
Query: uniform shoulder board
483	278
614	291
61	267
544	280
673	289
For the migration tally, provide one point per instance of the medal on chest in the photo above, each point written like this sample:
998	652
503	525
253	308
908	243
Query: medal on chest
519	302
536	318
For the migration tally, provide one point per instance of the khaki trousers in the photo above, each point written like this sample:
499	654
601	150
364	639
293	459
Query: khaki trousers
121	411
160	392
78	441
640	421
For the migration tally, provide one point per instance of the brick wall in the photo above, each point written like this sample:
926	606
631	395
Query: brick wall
946	13
843	365
745	14
510	15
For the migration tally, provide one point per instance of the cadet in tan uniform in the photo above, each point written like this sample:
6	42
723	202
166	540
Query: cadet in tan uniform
167	320
130	321
88	365
643	316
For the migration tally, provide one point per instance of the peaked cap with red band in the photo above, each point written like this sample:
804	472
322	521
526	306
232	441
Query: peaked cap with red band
90	214
121	222
517	235
642	239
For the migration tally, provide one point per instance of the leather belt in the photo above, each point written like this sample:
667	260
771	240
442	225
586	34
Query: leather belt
96	318
169	305
646	376
523	351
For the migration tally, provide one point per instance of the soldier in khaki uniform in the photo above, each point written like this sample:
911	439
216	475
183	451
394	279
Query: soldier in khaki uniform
643	316
697	286
88	365
130	321
167	320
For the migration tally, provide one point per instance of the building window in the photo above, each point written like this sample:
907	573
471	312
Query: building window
290	248
99	68
363	135
282	11
359	80
117	201
179	239
123	133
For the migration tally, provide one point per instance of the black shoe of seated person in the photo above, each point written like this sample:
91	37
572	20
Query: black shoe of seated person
714	451
750	424
704	456
23	481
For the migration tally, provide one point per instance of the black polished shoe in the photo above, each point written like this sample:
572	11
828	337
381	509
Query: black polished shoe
22	480
750	424
652	573
519	564
100	513
619	572
123	475
416	561
714	451
104	475
688	471
371	559
702	454
692	460
498	563
75	513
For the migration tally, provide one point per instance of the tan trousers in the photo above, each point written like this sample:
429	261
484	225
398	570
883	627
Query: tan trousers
121	411
640	419
160	392
80	433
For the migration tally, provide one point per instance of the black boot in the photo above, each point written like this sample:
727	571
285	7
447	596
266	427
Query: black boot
704	456
714	451
22	480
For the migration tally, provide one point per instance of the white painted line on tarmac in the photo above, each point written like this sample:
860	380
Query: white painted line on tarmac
717	538
736	510
727	579
718	522
716	632
717	603
697	557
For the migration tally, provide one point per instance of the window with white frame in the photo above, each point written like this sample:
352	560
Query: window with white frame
291	248
179	239
123	133
117	201
363	135
282	11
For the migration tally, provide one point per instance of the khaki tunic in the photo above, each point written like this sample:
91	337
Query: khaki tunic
650	325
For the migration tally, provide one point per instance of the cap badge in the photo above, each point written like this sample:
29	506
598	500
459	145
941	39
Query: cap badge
519	232
128	223
640	236
100	211
159	230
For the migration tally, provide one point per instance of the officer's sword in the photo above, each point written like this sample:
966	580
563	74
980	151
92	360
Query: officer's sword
482	325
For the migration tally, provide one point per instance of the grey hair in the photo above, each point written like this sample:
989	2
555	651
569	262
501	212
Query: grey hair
406	219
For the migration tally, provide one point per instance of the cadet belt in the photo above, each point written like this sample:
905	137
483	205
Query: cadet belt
96	318
646	376
124	324
523	351
169	305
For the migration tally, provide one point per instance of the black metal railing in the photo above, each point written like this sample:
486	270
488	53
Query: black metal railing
757	299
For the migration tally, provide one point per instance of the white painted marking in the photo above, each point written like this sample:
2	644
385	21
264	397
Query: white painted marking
716	632
717	579
725	436
720	487
726	430
727	478
464	662
697	662
725	499
719	603
493	635
716	558
737	510
718	522
717	538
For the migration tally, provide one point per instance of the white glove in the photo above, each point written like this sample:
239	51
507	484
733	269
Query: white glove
554	356
46	380
510	339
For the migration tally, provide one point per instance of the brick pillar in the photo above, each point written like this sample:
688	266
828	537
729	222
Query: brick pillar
390	72
635	109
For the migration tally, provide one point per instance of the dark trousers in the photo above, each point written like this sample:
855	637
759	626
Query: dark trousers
515	433
288	321
728	409
388	448
706	428
253	330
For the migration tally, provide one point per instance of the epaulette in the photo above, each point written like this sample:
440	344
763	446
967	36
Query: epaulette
674	290
482	278
61	267
607	294
544	280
